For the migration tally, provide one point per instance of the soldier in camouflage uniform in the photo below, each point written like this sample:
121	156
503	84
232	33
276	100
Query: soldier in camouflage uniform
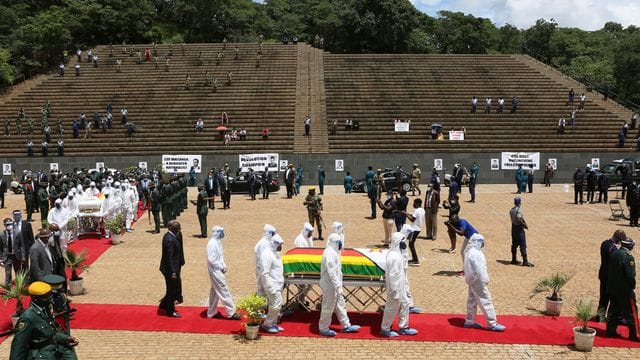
415	179
313	203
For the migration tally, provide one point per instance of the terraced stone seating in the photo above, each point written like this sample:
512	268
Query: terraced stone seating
163	111
375	89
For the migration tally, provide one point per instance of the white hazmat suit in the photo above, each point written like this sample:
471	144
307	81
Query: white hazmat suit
59	216
395	281
129	205
217	268
261	245
273	282
477	277
305	238
92	191
331	285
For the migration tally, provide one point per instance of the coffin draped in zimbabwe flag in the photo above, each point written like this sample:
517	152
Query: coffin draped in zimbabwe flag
356	263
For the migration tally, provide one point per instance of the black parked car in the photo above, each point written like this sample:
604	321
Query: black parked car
240	184
390	182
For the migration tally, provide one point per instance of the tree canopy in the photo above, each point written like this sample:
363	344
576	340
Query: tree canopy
33	34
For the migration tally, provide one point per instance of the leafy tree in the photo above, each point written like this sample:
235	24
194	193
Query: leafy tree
458	33
6	69
538	37
626	67
509	39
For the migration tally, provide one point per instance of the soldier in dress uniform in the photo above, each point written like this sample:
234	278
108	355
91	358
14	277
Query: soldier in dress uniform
621	284
59	301
202	210
43	202
156	203
37	335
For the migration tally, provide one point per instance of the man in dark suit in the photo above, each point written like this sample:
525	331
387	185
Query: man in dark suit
12	251
252	181
266	181
3	190
225	187
289	178
211	186
26	232
170	265
202	211
41	261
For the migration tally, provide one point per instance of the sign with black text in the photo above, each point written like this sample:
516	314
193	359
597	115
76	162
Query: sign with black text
511	160
181	164
258	162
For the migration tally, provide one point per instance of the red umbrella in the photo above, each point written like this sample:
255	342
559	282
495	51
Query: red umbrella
221	128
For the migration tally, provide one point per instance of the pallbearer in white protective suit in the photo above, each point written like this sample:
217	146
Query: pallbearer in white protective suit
331	284
92	191
59	216
263	243
476	276
273	282
395	281
305	238
217	268
129	204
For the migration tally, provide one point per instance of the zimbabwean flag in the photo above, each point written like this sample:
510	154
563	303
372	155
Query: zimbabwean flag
306	261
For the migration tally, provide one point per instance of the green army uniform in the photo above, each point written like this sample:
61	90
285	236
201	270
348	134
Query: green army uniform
19	126
176	207
314	210
30	126
59	126
54	194
415	180
43	204
165	204
378	182
621	282
156	205
202	209
59	300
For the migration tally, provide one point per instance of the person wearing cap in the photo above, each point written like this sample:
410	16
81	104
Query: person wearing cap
217	268
59	301
313	203
202	210
607	248
321	176
271	273
41	258
37	334
621	284
170	266
415	180
13	255
518	237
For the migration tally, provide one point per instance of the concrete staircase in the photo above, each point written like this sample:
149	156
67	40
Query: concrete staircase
578	87
310	100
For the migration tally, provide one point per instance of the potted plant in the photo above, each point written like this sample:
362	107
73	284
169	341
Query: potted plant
251	308
553	284
75	261
115	227
17	290
583	335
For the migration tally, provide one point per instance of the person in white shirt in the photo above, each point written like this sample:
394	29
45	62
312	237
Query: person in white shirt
217	268
487	105
500	105
417	219
199	125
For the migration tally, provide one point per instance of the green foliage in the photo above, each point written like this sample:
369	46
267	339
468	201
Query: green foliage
458	33
75	261
115	225
538	37
584	313
252	309
510	39
626	67
17	290
7	71
552	284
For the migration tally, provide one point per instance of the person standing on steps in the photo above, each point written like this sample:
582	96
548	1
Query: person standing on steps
518	237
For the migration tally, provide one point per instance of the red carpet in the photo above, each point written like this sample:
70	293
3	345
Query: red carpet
536	330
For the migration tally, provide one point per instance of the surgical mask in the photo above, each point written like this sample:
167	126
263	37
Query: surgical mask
93	186
279	248
403	245
58	206
221	235
17	217
71	197
56	233
9	227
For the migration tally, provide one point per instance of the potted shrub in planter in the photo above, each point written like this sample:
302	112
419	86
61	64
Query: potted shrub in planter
115	227
251	308
17	290
552	284
583	335
75	261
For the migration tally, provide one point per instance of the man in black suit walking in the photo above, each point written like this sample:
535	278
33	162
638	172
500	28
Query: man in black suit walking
211	186
12	252
170	265
41	260
25	230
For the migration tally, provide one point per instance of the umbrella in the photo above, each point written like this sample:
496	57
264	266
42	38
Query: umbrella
221	128
436	125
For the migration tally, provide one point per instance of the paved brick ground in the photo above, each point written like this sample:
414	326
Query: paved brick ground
563	237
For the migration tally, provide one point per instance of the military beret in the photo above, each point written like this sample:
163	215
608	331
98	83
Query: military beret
39	288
